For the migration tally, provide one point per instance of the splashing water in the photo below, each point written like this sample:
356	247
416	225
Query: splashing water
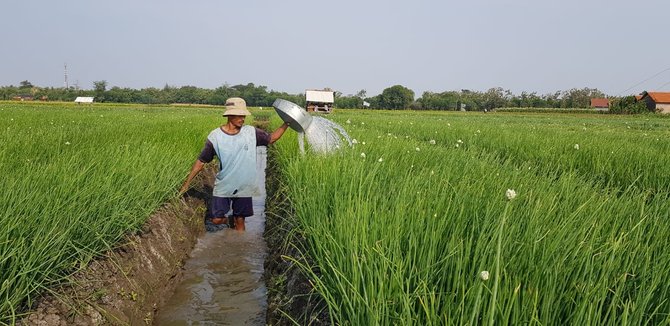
322	137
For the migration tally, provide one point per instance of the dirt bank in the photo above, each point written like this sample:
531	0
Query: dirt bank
126	285
290	294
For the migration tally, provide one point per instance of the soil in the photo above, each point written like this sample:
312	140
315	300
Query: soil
291	297
125	285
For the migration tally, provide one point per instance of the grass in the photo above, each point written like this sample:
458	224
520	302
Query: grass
76	179
400	236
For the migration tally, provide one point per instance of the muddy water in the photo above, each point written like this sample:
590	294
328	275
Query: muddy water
223	279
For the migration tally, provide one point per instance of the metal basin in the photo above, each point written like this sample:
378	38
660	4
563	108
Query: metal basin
296	117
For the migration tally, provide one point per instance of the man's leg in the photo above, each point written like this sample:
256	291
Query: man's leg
220	207
239	223
242	207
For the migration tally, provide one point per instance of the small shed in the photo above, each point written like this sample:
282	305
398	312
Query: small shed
83	99
319	100
600	104
656	101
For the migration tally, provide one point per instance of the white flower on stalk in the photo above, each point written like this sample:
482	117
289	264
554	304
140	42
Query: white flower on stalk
432	141
354	141
449	124
484	275
510	193
363	155
380	160
363	143
576	146
459	141
67	143
457	145
362	123
418	149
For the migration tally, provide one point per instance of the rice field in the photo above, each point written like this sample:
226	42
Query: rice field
505	219
431	218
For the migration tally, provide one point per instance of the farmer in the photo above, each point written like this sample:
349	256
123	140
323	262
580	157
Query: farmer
235	146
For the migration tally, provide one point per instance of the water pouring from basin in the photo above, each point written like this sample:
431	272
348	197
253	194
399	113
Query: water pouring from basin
322	135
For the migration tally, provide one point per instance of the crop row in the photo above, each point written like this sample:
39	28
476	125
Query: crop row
414	223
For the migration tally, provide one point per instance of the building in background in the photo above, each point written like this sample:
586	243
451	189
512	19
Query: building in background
656	101
319	100
600	104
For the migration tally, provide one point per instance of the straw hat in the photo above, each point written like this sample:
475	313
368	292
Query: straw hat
236	106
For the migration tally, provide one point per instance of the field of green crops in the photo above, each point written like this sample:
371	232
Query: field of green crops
75	179
412	225
496	219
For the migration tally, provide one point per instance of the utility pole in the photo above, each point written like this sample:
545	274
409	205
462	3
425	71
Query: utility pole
66	85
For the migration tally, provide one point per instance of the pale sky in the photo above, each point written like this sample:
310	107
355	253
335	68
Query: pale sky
521	45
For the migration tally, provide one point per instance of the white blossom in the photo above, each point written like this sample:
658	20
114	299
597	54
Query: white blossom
348	121
484	275
67	143
576	146
432	141
418	149
363	155
354	141
510	193
459	141
380	160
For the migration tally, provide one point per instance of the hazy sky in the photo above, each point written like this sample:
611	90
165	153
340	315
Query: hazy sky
531	45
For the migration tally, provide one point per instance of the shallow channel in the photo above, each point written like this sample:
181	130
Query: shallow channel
222	281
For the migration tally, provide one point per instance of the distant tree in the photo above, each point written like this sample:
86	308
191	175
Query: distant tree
396	97
580	98
99	88
627	105
25	84
495	98
361	94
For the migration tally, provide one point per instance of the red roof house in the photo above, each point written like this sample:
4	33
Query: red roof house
600	103
656	101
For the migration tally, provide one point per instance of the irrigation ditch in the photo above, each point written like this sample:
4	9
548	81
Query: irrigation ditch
129	284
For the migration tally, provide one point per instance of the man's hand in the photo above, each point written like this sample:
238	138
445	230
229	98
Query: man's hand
197	167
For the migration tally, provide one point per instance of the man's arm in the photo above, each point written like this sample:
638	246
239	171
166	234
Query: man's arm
197	167
275	135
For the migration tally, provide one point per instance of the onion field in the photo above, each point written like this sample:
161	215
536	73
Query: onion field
495	219
76	179
430	218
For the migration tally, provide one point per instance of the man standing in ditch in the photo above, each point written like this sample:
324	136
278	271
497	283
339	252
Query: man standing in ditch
235	146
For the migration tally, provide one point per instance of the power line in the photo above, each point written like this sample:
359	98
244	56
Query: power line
666	84
644	81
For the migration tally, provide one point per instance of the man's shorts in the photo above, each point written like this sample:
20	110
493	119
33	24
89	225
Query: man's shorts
242	207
